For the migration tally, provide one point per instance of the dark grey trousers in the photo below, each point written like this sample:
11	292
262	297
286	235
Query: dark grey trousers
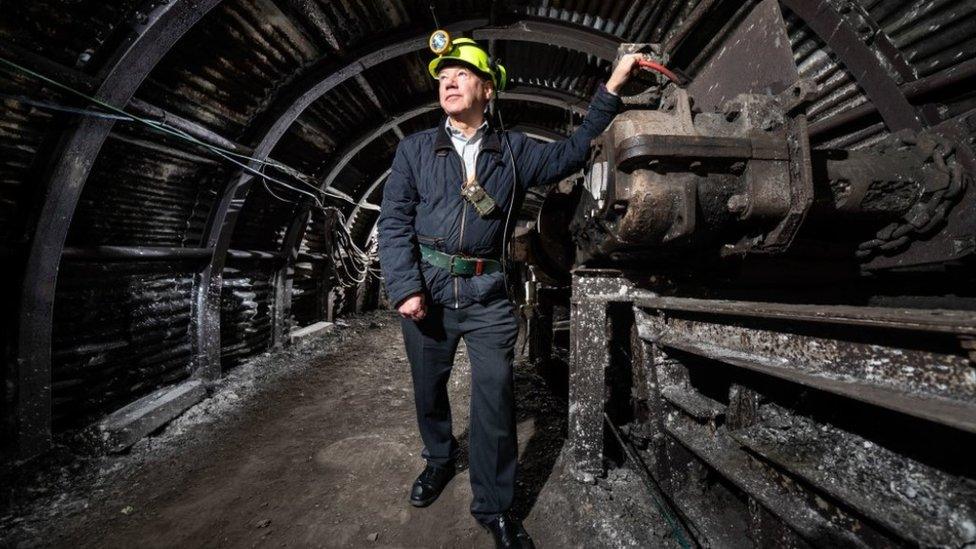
489	332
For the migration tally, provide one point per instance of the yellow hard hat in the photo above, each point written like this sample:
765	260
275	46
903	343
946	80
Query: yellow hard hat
468	52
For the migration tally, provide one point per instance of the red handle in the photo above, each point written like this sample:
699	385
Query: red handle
657	67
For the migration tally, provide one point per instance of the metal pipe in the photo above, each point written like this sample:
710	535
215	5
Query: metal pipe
196	130
673	516
136	253
258	255
687	25
911	90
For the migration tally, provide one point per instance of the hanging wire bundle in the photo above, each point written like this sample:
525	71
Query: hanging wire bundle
351	264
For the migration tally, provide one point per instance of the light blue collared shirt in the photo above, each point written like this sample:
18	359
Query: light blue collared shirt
467	148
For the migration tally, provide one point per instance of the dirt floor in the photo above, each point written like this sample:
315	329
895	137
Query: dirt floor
316	446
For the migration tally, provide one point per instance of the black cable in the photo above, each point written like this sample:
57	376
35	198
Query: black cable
63	108
349	254
226	154
511	201
433	14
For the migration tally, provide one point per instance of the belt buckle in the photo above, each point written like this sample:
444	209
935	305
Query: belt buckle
479	266
450	266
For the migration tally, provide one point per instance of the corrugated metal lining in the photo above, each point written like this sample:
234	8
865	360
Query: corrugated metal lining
547	117
630	21
402	81
264	219
553	67
305	145
348	24
343	113
365	221
933	35
372	161
307	288
422	122
838	92
146	191
120	331
224	72
72	33
310	278
22	135
246	315
75	34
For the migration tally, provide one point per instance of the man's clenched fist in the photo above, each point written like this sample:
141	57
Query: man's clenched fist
413	307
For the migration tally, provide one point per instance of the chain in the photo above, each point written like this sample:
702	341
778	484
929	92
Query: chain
922	217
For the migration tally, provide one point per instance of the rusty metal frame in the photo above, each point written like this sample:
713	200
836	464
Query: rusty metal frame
131	63
593	292
732	333
853	352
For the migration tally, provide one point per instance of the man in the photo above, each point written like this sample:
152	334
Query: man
440	255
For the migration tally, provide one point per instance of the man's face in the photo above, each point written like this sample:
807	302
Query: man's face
462	91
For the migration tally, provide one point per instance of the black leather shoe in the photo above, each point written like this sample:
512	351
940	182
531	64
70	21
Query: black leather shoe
508	532
429	485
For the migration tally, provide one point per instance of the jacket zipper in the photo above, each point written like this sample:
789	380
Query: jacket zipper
464	211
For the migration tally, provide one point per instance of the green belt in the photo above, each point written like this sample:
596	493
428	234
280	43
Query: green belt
459	265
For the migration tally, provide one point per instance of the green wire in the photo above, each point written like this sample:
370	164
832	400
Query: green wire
355	255
228	155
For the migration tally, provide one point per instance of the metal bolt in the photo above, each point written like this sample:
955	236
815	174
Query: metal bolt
84	57
738	203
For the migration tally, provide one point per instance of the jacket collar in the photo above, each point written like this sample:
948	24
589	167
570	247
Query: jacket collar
442	140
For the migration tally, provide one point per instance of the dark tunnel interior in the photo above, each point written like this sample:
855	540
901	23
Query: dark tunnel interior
758	297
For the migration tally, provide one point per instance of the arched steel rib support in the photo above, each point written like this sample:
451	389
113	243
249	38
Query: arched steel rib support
535	132
296	230
148	43
576	38
224	217
532	94
860	60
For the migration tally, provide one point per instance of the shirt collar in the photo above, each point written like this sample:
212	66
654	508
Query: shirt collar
443	145
454	132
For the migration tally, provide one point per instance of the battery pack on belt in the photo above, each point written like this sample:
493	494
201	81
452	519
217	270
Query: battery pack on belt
459	265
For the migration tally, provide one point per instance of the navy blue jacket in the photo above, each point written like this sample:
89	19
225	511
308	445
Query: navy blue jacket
422	203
